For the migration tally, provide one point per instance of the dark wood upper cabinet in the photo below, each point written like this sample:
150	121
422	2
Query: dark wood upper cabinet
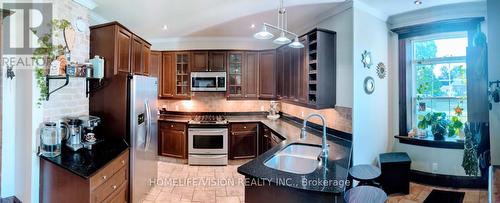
146	52
172	139
124	40
217	61
279	73
303	73
287	63
235	63
155	64
137	64
199	61
243	140
251	75
167	75
267	74
321	56
123	51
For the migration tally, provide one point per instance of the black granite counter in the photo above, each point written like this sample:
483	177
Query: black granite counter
84	162
329	177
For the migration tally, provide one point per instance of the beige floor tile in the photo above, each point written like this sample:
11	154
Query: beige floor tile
407	201
471	196
230	199
204	196
220	191
235	191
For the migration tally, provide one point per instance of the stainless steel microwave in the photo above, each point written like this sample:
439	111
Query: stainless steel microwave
208	81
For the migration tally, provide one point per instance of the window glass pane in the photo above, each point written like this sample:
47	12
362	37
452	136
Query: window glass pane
437	48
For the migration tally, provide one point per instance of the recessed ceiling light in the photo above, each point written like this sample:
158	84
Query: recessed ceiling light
252	26
164	27
417	2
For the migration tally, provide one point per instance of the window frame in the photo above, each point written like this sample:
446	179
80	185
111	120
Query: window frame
405	59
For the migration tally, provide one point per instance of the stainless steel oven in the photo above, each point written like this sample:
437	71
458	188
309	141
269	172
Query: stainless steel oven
207	146
208	81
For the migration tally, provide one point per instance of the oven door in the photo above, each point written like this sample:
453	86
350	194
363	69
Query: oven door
208	140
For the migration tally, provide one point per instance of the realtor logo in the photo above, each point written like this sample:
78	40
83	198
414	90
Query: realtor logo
17	34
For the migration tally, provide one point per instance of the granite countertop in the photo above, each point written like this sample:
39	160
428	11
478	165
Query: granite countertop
335	171
84	162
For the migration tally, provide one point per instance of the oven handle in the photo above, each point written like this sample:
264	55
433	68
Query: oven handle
208	131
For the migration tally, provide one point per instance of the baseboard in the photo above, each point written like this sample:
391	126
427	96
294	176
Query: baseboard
448	180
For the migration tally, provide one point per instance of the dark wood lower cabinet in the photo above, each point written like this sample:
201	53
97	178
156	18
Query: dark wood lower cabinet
243	140
265	140
109	184
172	139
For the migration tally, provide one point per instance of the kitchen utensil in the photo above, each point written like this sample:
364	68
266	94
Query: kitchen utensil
50	140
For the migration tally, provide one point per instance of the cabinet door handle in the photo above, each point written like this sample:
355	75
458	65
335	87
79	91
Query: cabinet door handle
171	126
114	187
245	127
104	177
123	162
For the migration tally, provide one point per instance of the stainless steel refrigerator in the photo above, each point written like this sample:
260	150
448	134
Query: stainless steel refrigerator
127	106
143	92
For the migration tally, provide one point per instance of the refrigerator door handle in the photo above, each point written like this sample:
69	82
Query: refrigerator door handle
148	125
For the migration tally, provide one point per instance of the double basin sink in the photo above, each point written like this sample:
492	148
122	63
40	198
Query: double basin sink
296	158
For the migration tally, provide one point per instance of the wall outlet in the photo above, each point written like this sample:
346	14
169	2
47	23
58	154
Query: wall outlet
177	107
261	108
434	167
164	106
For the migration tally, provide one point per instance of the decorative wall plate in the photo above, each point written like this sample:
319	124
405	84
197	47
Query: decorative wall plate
381	70
366	59
369	85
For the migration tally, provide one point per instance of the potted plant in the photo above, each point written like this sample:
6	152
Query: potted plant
438	123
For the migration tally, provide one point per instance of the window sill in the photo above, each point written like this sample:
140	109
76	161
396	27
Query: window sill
429	142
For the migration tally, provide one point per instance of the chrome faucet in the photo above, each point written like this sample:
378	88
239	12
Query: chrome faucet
303	134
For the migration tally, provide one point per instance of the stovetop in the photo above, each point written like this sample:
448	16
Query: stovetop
208	119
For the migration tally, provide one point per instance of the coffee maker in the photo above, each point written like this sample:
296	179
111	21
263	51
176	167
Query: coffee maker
89	123
74	133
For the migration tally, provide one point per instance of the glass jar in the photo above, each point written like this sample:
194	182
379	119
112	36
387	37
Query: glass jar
50	140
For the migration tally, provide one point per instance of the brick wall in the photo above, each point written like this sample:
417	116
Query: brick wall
70	100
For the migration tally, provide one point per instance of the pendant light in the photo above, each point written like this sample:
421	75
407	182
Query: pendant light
282	27
282	39
296	44
263	34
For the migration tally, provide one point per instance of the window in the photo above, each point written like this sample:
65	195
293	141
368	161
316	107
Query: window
439	81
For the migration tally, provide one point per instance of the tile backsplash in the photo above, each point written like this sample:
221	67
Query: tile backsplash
339	118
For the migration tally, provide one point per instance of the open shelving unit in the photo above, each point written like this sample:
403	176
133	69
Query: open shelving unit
312	68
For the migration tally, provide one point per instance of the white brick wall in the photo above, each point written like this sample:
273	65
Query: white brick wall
70	100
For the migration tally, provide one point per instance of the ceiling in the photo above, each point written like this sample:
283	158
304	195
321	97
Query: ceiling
208	18
393	7
233	18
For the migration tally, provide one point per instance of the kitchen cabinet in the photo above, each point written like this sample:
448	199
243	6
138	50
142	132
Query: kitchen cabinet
155	65
217	61
123	51
109	184
235	75
251	75
167	76
279	73
243	140
172	139
182	75
302	73
267	74
243	75
265	141
199	61
287	61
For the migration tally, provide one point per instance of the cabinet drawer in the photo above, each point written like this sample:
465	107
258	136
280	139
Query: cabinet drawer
111	186
120	196
173	126
105	174
244	127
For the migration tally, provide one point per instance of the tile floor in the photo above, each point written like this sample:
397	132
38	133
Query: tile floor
182	183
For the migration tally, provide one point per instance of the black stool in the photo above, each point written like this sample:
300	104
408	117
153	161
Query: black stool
395	167
365	174
365	194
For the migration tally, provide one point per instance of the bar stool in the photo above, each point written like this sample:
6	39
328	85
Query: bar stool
366	174
365	194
